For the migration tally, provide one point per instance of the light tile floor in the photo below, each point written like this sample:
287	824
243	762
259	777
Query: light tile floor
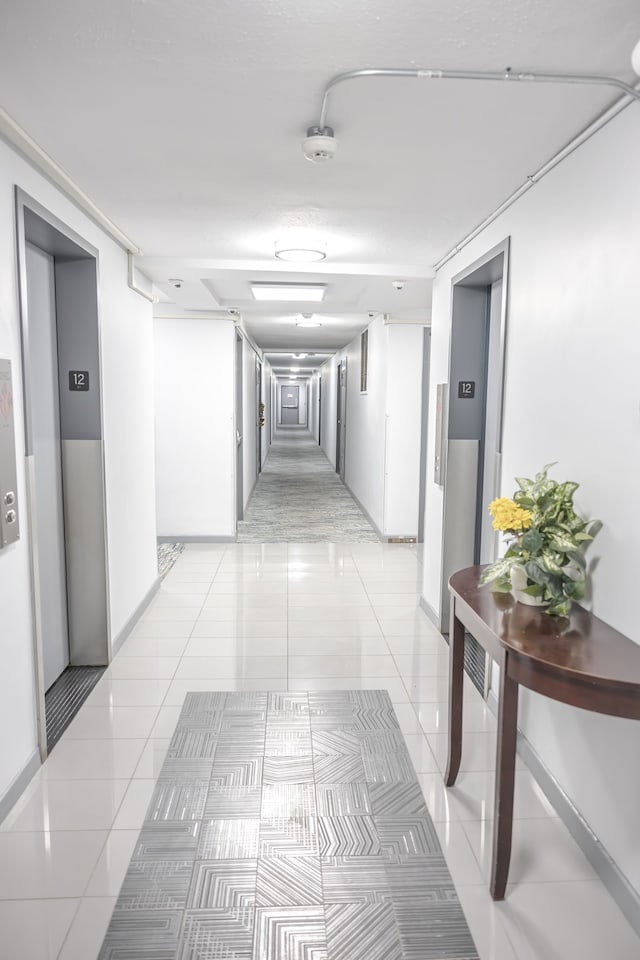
276	617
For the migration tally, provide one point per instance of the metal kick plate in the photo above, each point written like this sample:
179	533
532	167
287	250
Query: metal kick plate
9	515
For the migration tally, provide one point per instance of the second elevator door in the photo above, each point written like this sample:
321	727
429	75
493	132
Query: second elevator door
45	419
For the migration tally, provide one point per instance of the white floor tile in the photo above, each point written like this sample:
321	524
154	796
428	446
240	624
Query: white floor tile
559	921
334	628
478	751
541	851
151	759
35	929
37	864
134	805
422	665
417	646
241	614
407	718
476	717
225	628
184	587
420	753
112	864
153	647
165	724
336	646
167	601
487	925
128	693
85	937
92	759
163	628
321	666
393	685
97	723
67	805
149	668
458	853
220	667
330	598
155	614
179	688
234	646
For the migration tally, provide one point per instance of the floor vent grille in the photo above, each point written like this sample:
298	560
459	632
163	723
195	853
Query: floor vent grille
65	697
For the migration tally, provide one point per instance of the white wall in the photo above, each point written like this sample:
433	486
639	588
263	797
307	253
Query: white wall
266	399
383	425
126	344
249	420
328	412
404	424
195	439
571	395
314	418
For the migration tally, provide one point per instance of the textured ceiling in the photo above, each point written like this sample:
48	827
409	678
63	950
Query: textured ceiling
184	121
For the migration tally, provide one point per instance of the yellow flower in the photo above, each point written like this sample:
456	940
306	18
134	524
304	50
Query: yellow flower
507	515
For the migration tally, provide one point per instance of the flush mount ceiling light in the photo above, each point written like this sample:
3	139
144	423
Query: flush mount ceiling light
288	291
308	323
285	250
294	369
635	58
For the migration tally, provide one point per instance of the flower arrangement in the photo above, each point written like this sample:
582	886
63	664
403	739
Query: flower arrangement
546	541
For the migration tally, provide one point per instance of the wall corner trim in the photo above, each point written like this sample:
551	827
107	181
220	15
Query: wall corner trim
625	895
120	637
19	784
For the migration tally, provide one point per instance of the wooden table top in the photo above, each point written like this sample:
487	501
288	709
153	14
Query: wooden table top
580	647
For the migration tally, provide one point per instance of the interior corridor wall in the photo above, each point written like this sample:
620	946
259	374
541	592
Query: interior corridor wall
328	412
249	420
127	376
195	439
314	411
571	395
266	399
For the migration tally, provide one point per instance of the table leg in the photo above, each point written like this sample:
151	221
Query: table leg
505	778
456	680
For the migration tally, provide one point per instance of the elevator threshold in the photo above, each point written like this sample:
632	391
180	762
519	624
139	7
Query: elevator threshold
64	698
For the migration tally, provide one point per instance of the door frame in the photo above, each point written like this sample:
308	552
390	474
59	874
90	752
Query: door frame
341	419
36	225
491	266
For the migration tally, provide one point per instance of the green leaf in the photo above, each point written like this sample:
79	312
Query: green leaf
532	541
498	569
535	573
549	563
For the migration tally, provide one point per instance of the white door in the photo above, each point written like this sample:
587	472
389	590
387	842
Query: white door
45	419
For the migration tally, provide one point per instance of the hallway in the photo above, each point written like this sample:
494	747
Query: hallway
300	498
297	617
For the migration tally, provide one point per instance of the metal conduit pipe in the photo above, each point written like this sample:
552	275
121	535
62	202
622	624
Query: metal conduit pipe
425	73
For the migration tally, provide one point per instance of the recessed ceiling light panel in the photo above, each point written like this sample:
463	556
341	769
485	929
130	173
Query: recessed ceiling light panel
308	323
288	291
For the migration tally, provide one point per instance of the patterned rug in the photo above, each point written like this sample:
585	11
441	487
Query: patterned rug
299	497
288	826
168	553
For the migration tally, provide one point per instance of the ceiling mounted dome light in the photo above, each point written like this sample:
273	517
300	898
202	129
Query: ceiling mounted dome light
295	254
635	58
320	144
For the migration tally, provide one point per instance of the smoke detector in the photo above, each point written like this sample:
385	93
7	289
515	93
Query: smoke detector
320	144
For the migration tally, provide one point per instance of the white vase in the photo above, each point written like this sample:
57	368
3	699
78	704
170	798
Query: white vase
518	584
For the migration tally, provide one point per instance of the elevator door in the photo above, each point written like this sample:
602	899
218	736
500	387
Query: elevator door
45	418
290	404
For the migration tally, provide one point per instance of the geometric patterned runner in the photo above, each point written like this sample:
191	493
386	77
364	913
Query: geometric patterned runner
288	826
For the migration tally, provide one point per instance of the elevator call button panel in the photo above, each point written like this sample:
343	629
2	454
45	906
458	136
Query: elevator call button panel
9	516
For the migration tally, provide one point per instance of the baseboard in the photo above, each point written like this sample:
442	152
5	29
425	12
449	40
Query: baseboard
188	538
366	512
19	784
430	612
120	637
626	897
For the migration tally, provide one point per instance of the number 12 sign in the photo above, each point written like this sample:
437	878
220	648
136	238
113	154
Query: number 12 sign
78	379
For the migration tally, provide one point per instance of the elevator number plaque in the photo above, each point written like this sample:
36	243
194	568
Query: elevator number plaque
78	379
466	389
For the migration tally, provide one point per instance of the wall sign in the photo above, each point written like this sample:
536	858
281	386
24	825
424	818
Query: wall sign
78	379
466	389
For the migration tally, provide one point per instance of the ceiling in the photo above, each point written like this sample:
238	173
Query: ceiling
184	122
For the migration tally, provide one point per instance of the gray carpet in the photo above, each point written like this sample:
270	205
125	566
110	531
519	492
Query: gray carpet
288	826
300	498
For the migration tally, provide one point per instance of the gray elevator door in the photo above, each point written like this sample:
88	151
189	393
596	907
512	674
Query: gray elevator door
45	416
290	404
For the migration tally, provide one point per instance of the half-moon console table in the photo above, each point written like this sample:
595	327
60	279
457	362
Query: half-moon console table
578	660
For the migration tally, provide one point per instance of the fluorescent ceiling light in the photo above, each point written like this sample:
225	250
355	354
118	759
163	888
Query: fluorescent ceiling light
308	323
288	291
294	369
